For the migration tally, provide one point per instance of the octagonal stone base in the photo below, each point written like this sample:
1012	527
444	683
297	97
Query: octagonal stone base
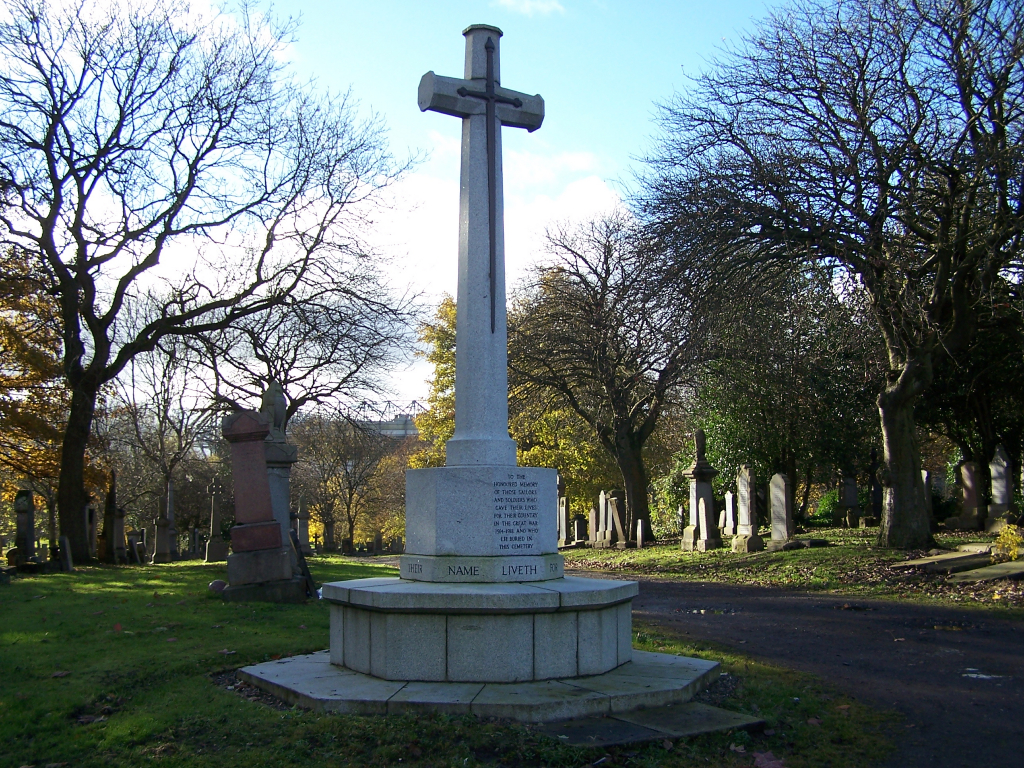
649	680
395	629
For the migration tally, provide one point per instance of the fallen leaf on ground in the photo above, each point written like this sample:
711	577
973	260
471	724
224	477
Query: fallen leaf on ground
159	629
226	652
97	613
117	627
180	602
156	594
302	626
87	719
172	639
767	760
275	657
666	744
217	626
60	674
54	765
814	721
843	706
769	731
737	748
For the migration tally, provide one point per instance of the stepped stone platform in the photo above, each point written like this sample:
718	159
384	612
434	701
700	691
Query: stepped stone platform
649	680
397	629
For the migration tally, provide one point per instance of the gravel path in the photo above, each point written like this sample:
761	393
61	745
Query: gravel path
956	675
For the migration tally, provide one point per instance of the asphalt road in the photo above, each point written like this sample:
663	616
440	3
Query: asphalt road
960	687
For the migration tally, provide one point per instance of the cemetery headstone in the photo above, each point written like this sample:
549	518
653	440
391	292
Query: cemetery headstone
280	457
25	528
172	527
702	533
849	503
729	515
1000	511
876	493
747	538
617	513
120	548
579	530
216	546
564	518
302	526
592	527
782	512
64	547
260	565
971	512
378	543
92	526
163	551
926	481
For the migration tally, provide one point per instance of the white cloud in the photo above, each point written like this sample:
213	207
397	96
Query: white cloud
531	7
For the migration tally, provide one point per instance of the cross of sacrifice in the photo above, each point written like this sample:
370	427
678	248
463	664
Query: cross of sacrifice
481	378
451	96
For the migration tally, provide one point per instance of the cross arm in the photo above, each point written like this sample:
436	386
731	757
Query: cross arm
440	94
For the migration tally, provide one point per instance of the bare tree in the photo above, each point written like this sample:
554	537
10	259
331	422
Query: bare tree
605	328
333	345
339	456
157	422
882	136
131	133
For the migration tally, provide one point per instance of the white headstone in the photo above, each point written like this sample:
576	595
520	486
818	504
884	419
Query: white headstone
1002	483
782	514
729	515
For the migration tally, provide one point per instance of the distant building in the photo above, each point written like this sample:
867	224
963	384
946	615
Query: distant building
400	427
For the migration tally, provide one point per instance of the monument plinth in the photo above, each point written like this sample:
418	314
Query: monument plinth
482	600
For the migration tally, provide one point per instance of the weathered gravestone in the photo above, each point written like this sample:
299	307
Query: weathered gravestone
875	498
702	532
579	530
564	524
481	565
120	546
302	526
1000	511
25	528
260	565
64	553
216	546
746	539
926	481
617	515
280	456
782	512
728	524
163	549
849	503
971	512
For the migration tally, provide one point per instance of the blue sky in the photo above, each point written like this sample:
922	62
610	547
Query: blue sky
600	66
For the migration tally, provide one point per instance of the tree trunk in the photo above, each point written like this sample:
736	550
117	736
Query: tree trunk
329	545
72	498
634	482
905	522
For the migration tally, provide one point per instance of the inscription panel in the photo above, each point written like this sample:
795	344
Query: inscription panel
516	512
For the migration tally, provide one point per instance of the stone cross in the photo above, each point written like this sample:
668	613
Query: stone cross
481	374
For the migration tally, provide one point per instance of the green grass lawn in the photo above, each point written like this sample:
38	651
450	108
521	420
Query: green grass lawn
126	666
853	565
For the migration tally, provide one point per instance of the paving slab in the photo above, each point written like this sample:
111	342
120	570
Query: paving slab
654	679
649	724
691	719
920	562
1011	570
968	562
